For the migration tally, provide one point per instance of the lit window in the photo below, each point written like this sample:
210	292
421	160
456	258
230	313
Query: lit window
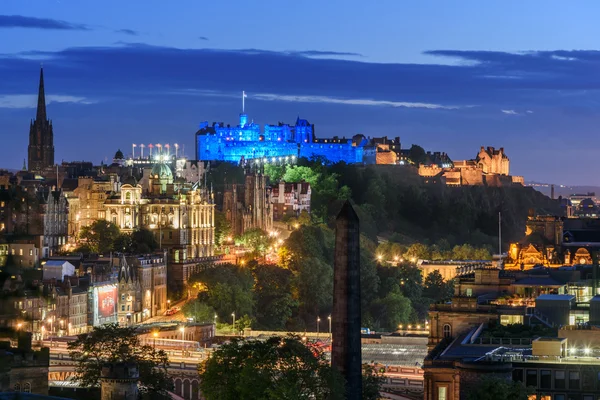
442	393
27	387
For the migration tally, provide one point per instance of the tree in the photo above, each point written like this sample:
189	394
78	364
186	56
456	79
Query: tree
499	389
303	218
274	369
273	293
222	228
417	154
275	172
313	285
228	289
436	288
100	236
257	240
110	343
299	173
143	241
417	251
392	310
199	311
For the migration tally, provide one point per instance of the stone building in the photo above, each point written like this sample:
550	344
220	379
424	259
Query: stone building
248	206
142	288
463	350
290	199
555	241
40	152
54	215
490	167
180	214
71	309
88	200
119	381
23	369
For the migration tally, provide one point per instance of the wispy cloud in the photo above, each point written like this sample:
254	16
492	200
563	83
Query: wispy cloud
510	112
30	100
129	32
202	38
354	102
20	21
319	53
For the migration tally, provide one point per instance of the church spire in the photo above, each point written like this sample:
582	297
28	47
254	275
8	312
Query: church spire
41	106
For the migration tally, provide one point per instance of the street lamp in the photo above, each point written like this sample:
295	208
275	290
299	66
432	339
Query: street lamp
215	321
233	315
155	334
318	323
19	325
329	318
182	329
69	329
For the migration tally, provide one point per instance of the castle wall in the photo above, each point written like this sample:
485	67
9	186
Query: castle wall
471	176
334	152
429	170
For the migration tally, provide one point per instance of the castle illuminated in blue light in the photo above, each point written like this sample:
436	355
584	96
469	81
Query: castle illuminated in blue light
246	142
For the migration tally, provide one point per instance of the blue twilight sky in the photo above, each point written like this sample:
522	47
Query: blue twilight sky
447	75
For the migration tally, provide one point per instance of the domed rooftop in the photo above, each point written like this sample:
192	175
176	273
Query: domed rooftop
162	170
119	155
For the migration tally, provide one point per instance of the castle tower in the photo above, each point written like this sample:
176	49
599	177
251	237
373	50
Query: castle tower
40	152
119	381
345	318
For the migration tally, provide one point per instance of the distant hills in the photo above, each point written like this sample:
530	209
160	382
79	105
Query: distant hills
563	190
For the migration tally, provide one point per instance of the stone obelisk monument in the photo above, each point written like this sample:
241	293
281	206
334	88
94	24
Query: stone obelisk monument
346	348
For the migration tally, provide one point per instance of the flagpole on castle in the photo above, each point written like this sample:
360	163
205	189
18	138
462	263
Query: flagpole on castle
244	95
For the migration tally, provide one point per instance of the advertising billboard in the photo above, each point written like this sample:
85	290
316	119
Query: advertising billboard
105	304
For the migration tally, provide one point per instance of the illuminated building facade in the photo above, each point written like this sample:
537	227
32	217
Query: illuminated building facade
246	141
180	214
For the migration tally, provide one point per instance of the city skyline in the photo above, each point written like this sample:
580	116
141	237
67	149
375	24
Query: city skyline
151	75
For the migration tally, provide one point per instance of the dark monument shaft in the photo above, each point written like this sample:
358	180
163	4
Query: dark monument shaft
346	348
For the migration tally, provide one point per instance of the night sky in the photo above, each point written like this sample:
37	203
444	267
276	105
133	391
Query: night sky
449	76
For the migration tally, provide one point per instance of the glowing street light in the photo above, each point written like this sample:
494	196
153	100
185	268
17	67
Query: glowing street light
155	334
233	316
318	324
586	351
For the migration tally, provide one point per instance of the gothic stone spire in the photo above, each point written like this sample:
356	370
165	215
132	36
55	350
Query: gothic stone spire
41	105
40	152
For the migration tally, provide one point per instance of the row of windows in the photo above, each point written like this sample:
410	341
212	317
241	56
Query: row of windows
548	379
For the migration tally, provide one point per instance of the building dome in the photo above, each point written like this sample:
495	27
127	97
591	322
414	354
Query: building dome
119	155
162	170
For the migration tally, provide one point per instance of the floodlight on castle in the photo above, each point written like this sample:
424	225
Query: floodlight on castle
246	141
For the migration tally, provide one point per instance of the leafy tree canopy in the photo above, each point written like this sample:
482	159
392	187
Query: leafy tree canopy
100	236
275	369
112	343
